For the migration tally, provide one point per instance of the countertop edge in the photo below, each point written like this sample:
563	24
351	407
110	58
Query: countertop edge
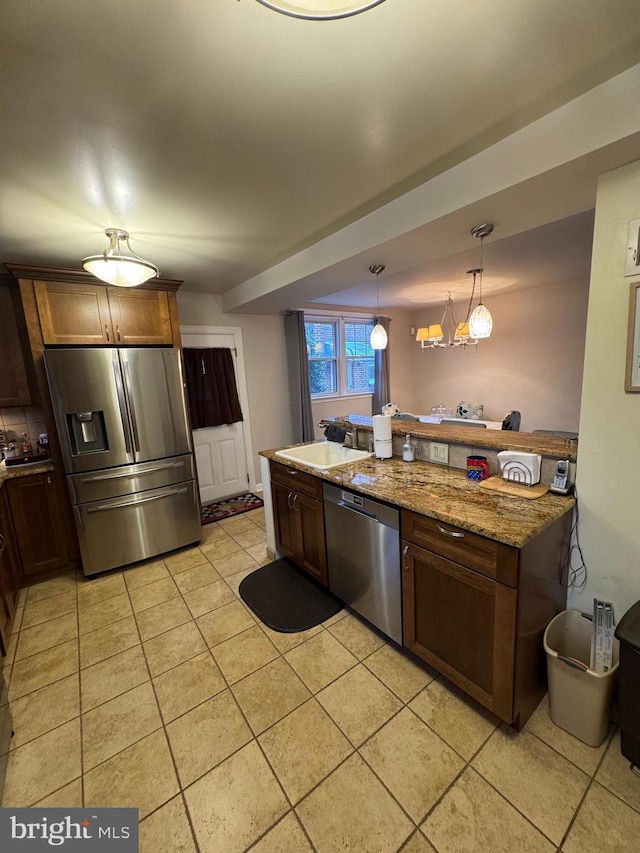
541	512
551	446
14	471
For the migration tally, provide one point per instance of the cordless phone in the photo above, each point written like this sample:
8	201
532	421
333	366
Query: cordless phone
560	483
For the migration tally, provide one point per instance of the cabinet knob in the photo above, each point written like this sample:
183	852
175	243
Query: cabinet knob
405	551
106	331
49	480
118	333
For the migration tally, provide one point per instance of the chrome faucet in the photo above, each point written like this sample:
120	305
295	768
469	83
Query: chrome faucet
351	438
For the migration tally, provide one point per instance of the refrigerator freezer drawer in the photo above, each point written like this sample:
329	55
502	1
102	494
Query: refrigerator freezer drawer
123	530
127	479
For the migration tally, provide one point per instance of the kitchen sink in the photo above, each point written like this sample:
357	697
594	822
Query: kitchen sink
322	454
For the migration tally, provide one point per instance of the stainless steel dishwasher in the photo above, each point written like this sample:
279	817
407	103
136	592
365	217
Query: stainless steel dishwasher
363	557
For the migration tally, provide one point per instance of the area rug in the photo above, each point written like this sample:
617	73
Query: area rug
232	506
287	600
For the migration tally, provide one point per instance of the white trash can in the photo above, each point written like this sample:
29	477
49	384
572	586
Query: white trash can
579	698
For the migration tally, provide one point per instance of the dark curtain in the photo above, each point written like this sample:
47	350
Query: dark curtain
211	387
381	390
299	383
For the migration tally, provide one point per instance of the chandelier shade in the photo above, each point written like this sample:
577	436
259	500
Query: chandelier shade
320	10
119	269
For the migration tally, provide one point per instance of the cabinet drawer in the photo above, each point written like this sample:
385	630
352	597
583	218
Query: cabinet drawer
297	480
486	556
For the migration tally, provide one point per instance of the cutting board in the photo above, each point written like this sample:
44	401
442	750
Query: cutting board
516	490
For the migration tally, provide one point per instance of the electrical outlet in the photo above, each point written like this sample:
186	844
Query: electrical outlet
439	453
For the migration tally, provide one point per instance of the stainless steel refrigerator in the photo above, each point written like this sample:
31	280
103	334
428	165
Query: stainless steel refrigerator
127	452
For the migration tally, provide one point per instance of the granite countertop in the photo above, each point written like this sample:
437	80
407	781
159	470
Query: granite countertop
528	442
24	470
446	494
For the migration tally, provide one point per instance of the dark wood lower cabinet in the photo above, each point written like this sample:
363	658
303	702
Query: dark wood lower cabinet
298	513
476	610
9	574
463	624
39	526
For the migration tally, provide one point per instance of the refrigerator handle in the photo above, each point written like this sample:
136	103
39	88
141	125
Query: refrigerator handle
121	406
132	410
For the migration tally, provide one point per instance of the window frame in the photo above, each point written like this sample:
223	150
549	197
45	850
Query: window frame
341	358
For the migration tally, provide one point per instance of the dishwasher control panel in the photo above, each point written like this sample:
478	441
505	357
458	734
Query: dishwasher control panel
350	498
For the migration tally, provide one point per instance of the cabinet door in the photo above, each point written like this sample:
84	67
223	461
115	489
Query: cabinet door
284	522
299	530
14	388
463	624
140	316
38	525
9	583
310	521
73	313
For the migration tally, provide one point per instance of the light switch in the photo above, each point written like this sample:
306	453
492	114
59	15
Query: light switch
439	453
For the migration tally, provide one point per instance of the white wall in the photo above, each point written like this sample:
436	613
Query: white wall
608	471
532	362
265	363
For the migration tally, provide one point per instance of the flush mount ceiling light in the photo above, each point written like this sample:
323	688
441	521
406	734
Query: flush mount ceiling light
379	337
480	320
320	10
112	266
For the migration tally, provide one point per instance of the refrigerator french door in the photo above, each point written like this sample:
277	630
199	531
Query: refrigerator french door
127	452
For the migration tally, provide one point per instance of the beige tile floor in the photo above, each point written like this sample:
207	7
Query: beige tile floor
156	688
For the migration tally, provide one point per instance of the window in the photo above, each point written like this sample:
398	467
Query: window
341	360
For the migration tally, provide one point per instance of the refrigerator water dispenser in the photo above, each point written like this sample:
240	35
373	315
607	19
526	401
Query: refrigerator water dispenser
87	433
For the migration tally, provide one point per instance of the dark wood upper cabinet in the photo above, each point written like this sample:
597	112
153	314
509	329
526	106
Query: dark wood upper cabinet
140	316
90	314
14	385
73	313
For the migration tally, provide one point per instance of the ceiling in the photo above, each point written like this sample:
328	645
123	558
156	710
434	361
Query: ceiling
227	138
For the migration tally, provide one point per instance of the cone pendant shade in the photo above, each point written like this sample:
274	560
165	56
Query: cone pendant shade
480	322
379	338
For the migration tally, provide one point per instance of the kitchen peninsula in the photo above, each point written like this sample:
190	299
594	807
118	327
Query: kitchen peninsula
481	572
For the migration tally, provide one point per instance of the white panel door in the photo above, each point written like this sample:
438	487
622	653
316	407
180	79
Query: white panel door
220	452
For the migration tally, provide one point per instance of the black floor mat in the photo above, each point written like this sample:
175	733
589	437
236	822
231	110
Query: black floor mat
285	599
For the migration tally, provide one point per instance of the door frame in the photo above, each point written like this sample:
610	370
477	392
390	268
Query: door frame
241	381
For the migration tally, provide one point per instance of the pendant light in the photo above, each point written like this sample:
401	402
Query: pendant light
480	320
379	337
320	10
121	270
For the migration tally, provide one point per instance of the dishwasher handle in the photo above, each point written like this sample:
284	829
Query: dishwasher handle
352	508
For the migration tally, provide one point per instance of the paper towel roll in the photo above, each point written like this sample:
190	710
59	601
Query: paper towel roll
382	445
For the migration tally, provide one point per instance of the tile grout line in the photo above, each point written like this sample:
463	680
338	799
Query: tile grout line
168	742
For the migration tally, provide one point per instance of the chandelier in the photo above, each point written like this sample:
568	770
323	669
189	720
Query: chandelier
448	332
477	323
114	267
